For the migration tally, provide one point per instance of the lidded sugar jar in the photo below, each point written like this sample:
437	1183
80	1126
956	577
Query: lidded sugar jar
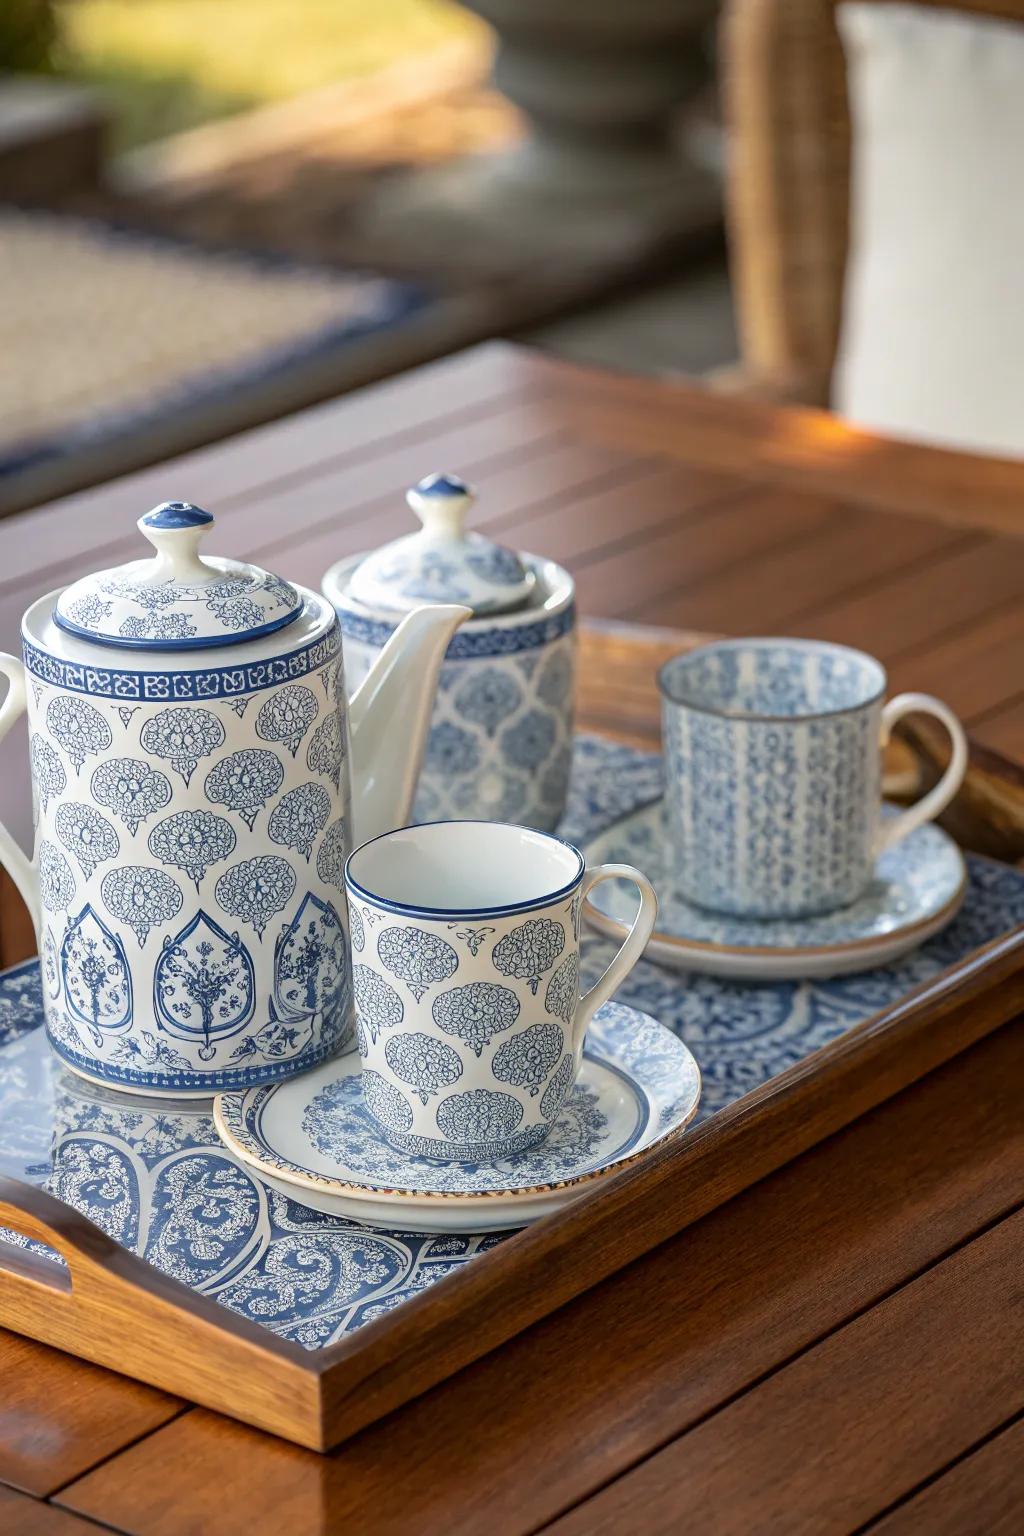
190	739
500	741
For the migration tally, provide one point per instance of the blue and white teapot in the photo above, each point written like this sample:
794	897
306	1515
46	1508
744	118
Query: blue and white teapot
500	742
190	742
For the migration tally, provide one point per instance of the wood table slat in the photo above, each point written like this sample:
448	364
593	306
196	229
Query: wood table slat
367	425
787	446
765	595
22	1516
61	1416
823	1445
513	1440
623	579
983	1493
922	604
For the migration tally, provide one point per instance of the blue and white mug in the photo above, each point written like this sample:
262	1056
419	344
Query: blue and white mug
773	773
465	951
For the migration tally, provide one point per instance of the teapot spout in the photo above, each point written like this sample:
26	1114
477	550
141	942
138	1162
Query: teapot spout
389	716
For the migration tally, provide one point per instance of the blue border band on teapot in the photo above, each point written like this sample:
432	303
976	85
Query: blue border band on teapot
205	683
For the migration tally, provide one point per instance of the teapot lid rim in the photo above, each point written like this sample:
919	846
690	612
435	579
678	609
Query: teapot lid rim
176	601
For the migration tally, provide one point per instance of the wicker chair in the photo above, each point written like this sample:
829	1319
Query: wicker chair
788	183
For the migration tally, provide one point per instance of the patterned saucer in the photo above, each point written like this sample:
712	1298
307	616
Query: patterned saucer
918	888
638	1085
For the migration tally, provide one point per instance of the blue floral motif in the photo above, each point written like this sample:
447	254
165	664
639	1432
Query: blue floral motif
310	962
157	626
472	936
88	611
142	1052
562	992
557	1090
287	716
87	836
182	736
416	957
56	881
205	1218
273	1041
96	976
526	1059
494	563
191	841
378	1005
255	889
488	697
480	1115
555	682
48	776
383	1100
356	931
330	859
203	985
324	754
529	739
245	781
80	729
529	950
102	1180
299	816
143	898
476	1012
451	750
132	789
426	1064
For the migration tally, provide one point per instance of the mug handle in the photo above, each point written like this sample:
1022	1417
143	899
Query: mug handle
632	946
935	801
20	868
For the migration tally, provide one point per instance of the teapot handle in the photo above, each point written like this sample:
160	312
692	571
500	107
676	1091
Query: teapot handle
17	864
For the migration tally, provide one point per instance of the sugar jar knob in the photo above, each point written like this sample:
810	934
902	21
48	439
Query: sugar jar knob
176	529
442	503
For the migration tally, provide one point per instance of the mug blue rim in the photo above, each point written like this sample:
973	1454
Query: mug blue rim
509	909
755	717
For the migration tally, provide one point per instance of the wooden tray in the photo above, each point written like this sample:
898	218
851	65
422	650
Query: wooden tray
109	1306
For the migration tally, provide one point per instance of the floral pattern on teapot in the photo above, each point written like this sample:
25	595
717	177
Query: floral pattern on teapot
181	954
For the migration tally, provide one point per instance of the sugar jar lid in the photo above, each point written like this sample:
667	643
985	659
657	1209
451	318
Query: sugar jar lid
441	562
176	601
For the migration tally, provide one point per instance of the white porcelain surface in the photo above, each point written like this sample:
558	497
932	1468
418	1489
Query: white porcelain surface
916	890
470	1023
442	562
193	815
500	742
773	773
178	599
312	1138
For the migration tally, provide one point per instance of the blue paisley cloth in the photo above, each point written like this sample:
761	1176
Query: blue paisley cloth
154	1176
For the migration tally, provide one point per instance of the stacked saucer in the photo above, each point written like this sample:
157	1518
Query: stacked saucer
311	1137
917	889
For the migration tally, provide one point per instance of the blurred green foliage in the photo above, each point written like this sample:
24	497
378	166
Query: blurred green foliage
166	65
28	34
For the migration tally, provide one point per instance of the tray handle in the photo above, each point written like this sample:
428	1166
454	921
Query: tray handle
112	1307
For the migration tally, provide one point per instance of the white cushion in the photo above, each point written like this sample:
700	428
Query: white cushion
932	342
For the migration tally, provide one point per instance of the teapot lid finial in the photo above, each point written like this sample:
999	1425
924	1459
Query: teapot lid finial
177	600
442	562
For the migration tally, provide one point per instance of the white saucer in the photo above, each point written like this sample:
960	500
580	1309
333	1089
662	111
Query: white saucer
311	1138
918	888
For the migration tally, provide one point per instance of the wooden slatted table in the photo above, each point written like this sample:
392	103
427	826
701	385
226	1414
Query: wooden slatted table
842	1347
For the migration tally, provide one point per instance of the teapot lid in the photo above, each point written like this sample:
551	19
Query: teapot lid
441	562
176	601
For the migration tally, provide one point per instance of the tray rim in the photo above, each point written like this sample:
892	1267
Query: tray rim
320	1397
